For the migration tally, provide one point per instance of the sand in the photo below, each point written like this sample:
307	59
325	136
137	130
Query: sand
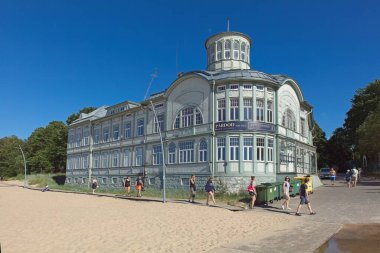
35	221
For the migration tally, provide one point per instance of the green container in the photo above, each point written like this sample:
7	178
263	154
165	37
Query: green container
278	190
296	184
265	193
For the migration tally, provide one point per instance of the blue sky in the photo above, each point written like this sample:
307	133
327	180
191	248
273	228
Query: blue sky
57	57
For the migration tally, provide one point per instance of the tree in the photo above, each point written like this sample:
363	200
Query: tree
338	149
369	135
46	148
76	116
320	141
11	161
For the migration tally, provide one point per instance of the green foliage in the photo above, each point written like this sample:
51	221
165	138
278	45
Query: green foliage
46	148
320	141
11	161
369	135
76	116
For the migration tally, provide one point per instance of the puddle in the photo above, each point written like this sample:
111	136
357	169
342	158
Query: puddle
354	238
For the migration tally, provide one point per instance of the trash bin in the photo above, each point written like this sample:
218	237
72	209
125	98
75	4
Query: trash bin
278	190
265	193
296	184
309	184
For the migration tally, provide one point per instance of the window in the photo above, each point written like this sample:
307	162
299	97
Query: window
85	161
116	132
77	162
212	53
234	109
270	150
259	110
115	158
221	88
289	120
127	130
106	133
247	53
104	160
114	180
104	180
227	49
140	127
236	46
243	47
96	161
157	155
126	158
186	152
247	149
159	123
187	116
79	139
259	88
203	151
97	136
221	143
219	51
221	110
71	140
234	87
139	156
247	86
86	137
260	149
269	91
247	102
270	111
234	148
303	123
172	152
157	106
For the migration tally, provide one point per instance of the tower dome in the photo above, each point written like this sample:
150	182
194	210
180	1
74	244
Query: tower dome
228	50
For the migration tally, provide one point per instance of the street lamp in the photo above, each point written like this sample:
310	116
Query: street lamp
162	152
23	156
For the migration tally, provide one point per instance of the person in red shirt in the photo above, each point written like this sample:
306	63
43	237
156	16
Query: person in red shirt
252	191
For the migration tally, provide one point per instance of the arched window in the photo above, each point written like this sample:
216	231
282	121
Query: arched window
203	151
236	47
227	49
289	120
172	153
212	53
219	46
248	53
243	48
188	116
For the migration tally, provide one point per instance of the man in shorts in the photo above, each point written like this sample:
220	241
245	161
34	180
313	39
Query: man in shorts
304	198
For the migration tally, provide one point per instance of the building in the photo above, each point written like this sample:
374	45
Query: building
229	122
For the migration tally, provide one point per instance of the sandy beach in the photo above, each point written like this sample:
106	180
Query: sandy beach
33	221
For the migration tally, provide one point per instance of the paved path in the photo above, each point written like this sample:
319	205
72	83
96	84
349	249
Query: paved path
335	206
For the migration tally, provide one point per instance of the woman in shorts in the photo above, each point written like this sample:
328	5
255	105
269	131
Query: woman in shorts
332	176
127	186
286	193
252	191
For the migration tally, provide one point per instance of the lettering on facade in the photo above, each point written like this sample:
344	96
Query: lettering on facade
244	126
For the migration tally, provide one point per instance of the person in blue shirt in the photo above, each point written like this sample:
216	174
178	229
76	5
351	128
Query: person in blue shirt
210	190
304	198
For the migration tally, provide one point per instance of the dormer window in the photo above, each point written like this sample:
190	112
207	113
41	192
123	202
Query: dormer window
227	49
219	51
236	47
243	48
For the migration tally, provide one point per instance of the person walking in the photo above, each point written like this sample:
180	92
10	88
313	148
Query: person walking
127	186
94	185
286	193
304	198
252	192
193	188
354	177
139	185
332	176
210	190
348	178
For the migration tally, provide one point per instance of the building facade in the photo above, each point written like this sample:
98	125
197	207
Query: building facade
229	122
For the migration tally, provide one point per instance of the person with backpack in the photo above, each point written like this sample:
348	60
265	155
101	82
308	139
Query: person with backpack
127	186
286	193
252	192
348	178
94	185
139	185
304	198
210	190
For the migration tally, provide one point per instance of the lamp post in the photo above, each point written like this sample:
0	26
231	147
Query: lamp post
23	156
163	157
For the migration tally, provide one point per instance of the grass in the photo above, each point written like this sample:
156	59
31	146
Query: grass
55	182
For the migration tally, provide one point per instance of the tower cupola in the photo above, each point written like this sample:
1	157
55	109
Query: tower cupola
227	51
